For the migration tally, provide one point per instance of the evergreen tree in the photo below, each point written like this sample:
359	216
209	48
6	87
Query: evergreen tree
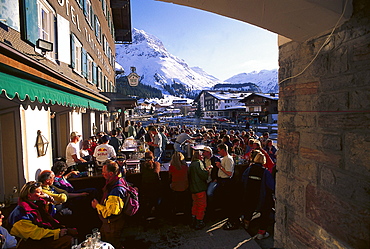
199	112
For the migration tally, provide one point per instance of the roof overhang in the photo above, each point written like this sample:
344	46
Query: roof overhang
121	13
298	20
119	101
18	64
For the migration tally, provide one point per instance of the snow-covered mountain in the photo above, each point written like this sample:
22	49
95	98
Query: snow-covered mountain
172	75
157	67
266	80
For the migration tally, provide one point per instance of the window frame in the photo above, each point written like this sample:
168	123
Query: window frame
50	29
90	68
77	49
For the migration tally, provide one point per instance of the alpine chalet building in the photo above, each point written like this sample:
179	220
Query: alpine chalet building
56	59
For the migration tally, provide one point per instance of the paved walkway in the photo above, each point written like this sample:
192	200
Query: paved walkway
177	234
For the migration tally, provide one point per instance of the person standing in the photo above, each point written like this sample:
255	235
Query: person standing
115	141
198	176
110	208
140	130
209	161
131	130
165	141
157	144
271	150
104	151
151	189
225	172
258	188
121	161
73	152
179	183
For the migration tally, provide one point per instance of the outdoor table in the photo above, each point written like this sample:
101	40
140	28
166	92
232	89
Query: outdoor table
102	244
129	151
96	181
133	165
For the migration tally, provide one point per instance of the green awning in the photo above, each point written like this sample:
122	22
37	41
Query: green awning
14	86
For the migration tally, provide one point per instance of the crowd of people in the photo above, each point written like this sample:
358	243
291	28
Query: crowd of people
213	180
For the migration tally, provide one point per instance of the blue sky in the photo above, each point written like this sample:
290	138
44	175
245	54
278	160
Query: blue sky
222	46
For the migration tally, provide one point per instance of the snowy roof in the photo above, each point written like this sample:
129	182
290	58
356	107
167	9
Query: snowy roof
236	107
273	96
222	95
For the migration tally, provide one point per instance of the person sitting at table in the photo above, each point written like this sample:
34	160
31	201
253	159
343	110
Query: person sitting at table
110	208
31	221
178	174
6	240
150	189
73	152
60	180
86	152
46	178
104	151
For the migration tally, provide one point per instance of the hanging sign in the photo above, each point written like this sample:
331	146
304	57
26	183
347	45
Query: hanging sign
133	77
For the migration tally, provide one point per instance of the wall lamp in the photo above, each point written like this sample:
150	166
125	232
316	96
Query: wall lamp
45	46
41	144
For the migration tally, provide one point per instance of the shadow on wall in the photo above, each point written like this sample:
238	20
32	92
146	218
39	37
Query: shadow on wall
37	174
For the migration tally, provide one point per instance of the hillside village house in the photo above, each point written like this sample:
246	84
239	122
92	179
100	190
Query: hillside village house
262	107
220	103
56	59
216	104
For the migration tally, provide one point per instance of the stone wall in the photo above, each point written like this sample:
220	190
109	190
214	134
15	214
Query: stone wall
323	179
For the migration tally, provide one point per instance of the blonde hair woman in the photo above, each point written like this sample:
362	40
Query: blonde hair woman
198	176
34	225
179	183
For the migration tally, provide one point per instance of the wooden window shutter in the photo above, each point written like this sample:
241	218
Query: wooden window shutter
30	27
95	73
84	62
73	51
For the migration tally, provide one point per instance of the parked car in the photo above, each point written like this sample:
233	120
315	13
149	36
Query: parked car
223	120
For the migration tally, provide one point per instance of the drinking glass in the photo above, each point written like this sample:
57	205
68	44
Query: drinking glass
89	241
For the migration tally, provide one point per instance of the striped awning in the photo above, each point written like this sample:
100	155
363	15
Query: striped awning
13	87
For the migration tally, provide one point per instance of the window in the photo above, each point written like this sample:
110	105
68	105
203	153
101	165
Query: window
104	6
10	15
89	68
97	29
46	26
87	11
76	55
99	79
105	44
113	60
105	86
110	55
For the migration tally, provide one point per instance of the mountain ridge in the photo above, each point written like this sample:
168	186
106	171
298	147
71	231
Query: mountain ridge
160	69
